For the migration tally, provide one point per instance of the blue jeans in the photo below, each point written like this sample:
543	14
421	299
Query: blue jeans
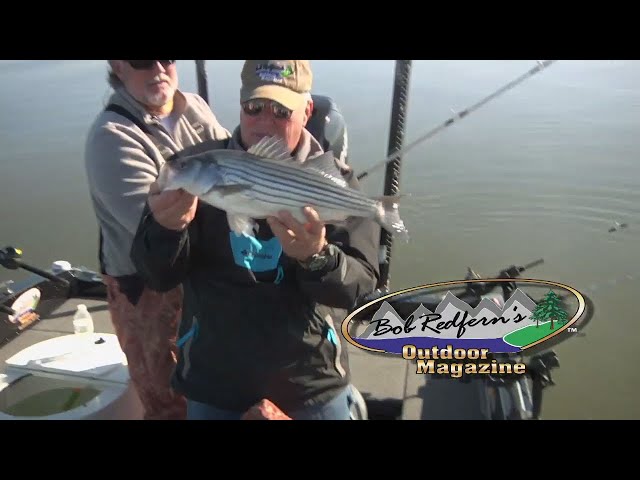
339	408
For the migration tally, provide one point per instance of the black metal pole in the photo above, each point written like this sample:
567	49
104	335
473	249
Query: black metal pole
396	139
201	73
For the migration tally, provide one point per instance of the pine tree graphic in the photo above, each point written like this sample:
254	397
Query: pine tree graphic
549	309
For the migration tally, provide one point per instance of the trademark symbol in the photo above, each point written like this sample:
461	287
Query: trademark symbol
572	330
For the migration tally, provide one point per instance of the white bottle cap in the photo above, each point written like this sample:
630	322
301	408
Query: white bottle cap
60	266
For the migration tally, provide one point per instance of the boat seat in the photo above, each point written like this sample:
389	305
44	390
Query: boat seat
328	126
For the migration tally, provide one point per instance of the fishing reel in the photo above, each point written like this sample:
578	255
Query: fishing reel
9	257
479	289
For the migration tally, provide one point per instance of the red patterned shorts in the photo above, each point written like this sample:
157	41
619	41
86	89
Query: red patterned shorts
147	334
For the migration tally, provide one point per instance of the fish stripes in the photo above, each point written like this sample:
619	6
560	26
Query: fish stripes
301	174
280	185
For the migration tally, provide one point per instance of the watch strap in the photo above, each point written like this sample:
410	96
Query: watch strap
319	260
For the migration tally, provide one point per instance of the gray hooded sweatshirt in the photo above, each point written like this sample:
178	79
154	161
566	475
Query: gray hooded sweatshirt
121	162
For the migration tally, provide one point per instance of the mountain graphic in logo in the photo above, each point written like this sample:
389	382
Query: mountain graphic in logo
454	322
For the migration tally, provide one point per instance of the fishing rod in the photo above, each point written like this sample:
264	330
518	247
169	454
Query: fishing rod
201	73
541	65
392	174
10	259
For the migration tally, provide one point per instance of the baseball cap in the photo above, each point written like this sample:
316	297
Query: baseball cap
283	81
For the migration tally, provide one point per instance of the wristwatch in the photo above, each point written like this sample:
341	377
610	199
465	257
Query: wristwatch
319	260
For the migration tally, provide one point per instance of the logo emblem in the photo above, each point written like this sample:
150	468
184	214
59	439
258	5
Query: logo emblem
429	327
273	73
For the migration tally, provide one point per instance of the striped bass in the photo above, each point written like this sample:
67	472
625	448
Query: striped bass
265	180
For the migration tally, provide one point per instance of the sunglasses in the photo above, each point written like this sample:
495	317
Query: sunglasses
254	107
149	64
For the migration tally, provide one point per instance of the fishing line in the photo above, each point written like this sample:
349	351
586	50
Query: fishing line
541	65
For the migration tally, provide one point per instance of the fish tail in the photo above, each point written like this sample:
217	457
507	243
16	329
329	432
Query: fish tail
388	217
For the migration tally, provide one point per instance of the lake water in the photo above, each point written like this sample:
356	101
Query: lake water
541	172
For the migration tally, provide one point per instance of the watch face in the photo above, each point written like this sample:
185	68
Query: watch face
318	262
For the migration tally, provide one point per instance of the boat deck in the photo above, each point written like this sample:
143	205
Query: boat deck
56	324
390	385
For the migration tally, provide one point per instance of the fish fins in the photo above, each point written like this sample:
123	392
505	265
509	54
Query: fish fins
389	217
241	224
273	148
326	164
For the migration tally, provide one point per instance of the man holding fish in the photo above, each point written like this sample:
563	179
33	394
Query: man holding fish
273	242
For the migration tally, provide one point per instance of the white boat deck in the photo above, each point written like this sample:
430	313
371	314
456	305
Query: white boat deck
58	323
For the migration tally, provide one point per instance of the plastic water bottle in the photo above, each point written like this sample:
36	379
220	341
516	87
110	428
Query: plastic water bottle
82	321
